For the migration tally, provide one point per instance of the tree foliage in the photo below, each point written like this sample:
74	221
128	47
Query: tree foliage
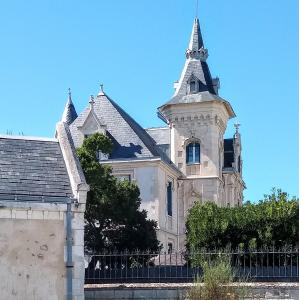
272	221
113	221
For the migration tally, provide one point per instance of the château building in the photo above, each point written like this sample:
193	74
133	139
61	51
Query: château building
185	161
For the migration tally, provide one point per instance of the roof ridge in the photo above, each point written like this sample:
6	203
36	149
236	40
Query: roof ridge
150	143
157	128
28	138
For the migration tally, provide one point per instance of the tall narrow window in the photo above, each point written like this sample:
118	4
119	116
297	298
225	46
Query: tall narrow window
169	199
193	153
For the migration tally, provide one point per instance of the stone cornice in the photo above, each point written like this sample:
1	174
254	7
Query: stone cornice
199	119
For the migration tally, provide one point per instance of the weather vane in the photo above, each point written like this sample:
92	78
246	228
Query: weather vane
196	12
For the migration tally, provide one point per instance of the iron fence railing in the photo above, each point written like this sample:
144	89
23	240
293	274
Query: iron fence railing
261	265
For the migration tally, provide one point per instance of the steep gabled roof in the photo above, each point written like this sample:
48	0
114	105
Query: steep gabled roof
130	140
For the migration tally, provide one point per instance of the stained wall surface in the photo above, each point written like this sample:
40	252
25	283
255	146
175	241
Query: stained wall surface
32	259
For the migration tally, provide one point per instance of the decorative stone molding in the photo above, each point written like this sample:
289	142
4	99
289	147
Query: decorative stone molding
202	54
199	120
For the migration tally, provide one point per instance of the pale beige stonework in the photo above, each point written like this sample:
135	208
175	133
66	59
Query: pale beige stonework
32	259
195	114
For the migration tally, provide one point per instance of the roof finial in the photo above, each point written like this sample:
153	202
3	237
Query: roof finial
91	101
196	12
101	89
70	93
237	126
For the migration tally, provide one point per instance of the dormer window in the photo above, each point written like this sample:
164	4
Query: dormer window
193	86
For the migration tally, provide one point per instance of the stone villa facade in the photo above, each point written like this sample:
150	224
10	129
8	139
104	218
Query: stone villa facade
188	160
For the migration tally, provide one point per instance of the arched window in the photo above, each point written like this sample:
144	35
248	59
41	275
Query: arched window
193	153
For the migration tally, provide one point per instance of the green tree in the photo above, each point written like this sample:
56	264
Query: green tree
113	219
272	221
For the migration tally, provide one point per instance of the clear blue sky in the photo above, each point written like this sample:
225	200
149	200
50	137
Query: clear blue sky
136	48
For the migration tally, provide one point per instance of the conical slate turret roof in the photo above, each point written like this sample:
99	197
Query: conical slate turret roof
197	70
69	114
196	41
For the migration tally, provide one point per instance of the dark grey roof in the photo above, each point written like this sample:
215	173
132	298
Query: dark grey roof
196	40
69	114
129	138
228	153
161	135
195	67
200	70
32	167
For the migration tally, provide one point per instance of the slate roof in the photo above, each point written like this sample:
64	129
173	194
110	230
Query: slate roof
196	40
161	136
195	67
69	113
32	167
201	71
229	153
130	140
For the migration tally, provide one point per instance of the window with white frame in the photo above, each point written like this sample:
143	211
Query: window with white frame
193	153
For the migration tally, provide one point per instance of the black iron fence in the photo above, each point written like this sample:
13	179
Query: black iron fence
262	265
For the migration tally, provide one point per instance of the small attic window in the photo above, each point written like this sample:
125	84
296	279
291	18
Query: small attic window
193	87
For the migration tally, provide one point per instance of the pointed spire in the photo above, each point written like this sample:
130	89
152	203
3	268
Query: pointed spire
196	46
69	113
196	41
195	78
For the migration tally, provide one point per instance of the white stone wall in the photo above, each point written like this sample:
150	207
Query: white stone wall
33	251
204	123
32	259
233	189
152	178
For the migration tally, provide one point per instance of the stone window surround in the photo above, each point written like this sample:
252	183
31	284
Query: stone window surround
124	172
185	145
